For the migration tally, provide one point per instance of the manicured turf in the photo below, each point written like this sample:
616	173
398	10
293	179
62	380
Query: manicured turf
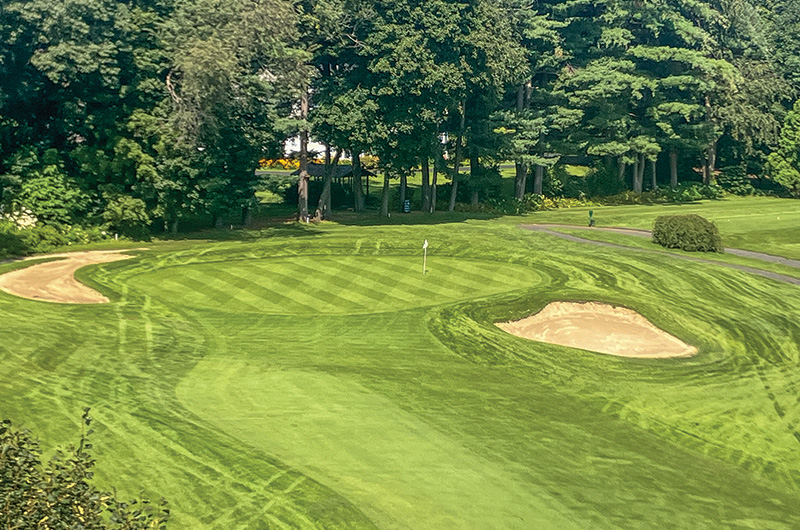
763	224
313	378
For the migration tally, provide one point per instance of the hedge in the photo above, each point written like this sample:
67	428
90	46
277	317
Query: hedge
691	233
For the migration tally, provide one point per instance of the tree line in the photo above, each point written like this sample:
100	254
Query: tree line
135	111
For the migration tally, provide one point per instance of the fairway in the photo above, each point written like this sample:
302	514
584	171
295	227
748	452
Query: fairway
315	378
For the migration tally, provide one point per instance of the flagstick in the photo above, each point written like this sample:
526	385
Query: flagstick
425	258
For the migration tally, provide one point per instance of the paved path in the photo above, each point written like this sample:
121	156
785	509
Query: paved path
648	233
550	229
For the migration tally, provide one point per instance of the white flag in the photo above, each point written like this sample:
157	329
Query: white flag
425	245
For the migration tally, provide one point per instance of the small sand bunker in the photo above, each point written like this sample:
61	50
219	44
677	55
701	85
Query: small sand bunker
601	328
55	281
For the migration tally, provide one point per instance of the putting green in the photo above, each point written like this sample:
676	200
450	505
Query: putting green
330	284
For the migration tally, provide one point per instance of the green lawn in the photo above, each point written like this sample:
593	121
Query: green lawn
312	377
763	224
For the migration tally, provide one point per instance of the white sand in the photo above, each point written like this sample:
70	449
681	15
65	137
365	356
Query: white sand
600	328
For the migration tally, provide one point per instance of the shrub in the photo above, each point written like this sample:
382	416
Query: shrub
11	241
60	494
127	215
734	179
44	238
691	233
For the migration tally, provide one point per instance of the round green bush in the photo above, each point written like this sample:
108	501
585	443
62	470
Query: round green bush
691	233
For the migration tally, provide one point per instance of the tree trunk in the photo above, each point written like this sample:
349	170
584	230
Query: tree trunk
521	168
358	190
653	164
711	163
673	169
622	168
520	180
426	184
457	161
385	195
403	186
324	207
538	180
174	226
433	185
474	169
302	184
247	216
638	174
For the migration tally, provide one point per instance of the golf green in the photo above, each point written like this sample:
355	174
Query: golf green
330	284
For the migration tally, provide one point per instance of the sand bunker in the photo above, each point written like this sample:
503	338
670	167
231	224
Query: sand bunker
55	281
601	328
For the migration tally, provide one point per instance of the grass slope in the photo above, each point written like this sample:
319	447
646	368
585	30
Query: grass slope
313	378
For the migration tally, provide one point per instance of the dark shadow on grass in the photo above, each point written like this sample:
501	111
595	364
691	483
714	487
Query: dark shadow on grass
259	231
371	218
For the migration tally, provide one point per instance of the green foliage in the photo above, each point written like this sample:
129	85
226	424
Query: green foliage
784	163
38	239
127	216
60	494
44	188
734	179
11	241
691	191
603	181
530	203
691	233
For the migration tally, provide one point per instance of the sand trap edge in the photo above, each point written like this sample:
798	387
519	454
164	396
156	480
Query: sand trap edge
54	281
600	328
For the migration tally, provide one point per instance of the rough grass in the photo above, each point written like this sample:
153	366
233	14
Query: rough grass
314	378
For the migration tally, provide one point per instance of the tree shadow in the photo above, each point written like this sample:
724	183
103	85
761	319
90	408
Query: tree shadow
371	218
259	230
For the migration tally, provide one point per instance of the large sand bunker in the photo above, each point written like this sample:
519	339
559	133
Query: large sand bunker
601	328
55	281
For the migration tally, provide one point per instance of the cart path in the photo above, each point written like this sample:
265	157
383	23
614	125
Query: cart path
551	229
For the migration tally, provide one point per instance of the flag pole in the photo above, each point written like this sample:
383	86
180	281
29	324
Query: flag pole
425	257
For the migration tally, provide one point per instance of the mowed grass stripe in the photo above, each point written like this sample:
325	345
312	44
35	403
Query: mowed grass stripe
328	283
243	289
352	286
398	282
366	293
475	272
456	278
241	297
294	288
189	289
457	281
253	284
228	300
367	278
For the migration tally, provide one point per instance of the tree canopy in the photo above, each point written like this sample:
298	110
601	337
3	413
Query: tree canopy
145	113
